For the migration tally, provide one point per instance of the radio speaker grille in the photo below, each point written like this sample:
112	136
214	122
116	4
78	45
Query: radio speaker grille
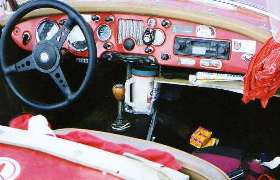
129	28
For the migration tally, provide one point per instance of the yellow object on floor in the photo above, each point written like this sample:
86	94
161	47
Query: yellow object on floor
211	142
200	137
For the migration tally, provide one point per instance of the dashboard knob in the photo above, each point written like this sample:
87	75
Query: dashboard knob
107	45
95	18
26	37
107	56
165	56
109	19
165	23
149	49
129	44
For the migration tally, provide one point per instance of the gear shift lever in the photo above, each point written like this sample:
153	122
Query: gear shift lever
120	124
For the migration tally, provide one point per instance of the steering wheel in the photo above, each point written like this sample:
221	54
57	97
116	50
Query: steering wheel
46	55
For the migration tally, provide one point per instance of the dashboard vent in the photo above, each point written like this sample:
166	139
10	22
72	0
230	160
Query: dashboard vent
129	28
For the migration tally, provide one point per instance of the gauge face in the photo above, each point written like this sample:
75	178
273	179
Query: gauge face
46	30
159	37
104	32
77	40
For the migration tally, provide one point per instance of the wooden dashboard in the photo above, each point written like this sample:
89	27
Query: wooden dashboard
120	27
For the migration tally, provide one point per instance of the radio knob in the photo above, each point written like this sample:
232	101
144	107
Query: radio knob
180	45
221	50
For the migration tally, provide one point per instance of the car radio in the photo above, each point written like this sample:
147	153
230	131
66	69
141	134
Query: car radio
206	48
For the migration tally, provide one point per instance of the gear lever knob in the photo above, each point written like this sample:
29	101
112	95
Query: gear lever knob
118	92
120	124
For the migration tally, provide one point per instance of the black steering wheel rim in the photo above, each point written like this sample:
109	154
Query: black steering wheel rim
73	16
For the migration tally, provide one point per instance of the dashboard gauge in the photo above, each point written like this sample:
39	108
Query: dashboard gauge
77	40
46	30
104	32
159	37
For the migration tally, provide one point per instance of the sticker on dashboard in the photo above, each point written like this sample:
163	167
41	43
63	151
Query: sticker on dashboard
181	29
205	31
211	64
187	61
247	57
244	46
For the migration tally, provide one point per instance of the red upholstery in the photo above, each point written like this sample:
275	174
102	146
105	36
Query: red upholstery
164	158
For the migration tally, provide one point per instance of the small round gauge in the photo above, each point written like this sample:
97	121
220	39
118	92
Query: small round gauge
46	30
104	32
77	40
159	37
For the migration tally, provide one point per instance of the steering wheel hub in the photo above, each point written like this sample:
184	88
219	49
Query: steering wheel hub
46	56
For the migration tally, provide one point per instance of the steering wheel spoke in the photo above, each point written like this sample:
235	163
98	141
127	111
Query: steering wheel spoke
25	64
60	80
60	37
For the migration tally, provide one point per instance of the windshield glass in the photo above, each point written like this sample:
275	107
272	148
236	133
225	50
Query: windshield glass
274	9
230	9
259	4
251	4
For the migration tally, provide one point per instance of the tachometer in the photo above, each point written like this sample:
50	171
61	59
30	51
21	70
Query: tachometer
104	32
46	30
77	40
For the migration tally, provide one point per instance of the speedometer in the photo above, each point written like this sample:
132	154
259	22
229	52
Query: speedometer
46	30
104	32
77	40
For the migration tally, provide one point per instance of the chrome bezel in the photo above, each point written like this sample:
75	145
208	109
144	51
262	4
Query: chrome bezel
78	50
70	44
41	22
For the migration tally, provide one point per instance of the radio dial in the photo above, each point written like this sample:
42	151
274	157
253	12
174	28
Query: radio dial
221	50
